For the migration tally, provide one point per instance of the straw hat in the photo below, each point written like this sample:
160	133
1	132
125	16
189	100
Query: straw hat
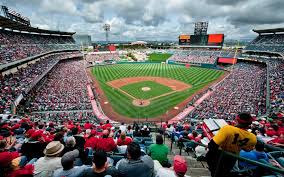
53	148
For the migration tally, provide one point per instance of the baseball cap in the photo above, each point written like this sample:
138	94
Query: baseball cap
180	165
69	157
244	118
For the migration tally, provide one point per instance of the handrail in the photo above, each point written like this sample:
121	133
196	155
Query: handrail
242	158
268	106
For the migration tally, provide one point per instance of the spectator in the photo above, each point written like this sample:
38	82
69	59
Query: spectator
137	132
145	131
106	143
107	125
129	130
45	166
100	167
135	165
231	139
80	141
179	170
69	145
33	148
122	127
159	151
123	139
257	155
67	162
92	140
88	125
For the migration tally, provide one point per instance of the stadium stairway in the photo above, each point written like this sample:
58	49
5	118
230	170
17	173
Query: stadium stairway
195	168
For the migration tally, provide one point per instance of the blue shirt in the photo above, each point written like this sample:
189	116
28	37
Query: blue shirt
252	155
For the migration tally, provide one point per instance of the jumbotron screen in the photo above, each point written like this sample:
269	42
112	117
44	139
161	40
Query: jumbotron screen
215	39
202	40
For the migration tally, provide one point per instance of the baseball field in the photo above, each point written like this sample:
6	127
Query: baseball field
148	90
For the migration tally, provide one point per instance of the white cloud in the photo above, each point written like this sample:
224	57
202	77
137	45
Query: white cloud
59	6
152	19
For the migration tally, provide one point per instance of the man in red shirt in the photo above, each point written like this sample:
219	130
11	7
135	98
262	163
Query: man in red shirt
123	139
106	143
107	125
88	125
92	140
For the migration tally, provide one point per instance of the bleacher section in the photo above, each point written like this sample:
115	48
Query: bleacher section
271	42
16	46
201	56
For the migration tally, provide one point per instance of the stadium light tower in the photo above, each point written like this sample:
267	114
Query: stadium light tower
106	29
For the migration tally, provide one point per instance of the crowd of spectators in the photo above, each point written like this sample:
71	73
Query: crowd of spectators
76	117
243	90
276	76
268	42
275	67
92	57
16	46
63	89
30	146
18	81
201	55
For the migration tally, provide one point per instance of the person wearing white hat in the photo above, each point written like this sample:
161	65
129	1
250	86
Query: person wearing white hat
45	166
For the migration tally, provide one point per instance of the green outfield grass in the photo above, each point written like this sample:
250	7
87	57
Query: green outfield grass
159	57
135	89
122	104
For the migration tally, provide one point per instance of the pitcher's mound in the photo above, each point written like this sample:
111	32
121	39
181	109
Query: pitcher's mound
141	103
145	89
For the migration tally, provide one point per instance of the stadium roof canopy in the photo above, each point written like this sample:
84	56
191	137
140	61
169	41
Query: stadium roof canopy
275	30
13	25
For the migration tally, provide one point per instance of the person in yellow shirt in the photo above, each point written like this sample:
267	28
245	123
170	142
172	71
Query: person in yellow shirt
231	139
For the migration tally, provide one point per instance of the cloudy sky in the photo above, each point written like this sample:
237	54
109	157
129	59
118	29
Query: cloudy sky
152	19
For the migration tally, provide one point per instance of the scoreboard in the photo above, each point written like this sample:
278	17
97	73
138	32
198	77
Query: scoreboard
202	40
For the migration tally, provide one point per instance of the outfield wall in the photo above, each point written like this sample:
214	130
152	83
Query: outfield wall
171	62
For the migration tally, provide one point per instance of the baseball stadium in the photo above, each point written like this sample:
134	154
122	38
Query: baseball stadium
89	89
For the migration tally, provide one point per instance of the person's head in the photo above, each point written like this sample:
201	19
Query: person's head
159	139
275	127
122	123
70	141
105	134
129	127
41	126
53	149
100	159
107	122
281	136
88	132
194	133
259	146
58	137
75	131
244	120
133	151
180	166
123	136
67	160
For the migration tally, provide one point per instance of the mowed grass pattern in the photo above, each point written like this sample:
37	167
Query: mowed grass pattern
159	57
135	89
122	104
